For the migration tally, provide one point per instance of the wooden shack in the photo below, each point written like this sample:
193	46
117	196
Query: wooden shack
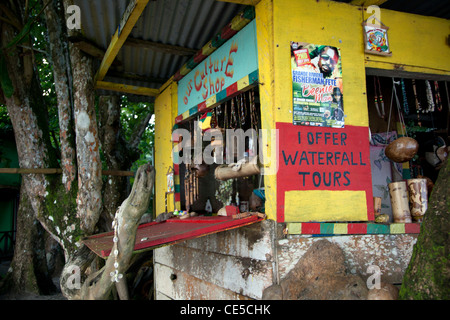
319	175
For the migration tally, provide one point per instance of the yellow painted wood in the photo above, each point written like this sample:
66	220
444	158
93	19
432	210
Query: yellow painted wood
367	3
294	228
246	2
242	83
418	44
126	88
117	40
397	228
340	228
265	44
325	205
163	148
322	23
211	101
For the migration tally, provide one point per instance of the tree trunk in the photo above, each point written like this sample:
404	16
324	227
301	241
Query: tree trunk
115	154
428	273
29	271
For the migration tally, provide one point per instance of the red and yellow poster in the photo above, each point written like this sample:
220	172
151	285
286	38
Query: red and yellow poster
317	85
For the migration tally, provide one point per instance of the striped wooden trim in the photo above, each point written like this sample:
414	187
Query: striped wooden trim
335	228
230	91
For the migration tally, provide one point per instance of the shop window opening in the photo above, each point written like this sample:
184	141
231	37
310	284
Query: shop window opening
227	179
413	108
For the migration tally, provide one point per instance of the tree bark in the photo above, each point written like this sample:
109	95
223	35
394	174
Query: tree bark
115	155
428	274
62	74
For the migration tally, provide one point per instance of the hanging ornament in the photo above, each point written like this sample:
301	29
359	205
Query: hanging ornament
418	107
242	110
402	149
405	99
233	115
378	97
437	96
115	275
430	100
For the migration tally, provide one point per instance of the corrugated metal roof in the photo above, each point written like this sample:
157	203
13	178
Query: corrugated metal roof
185	23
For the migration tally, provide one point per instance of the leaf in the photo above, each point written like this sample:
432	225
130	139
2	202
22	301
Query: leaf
5	81
21	35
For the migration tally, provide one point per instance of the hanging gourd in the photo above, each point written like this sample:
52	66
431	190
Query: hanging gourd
402	149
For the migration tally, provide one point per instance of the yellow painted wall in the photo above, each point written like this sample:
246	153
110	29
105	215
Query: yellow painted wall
165	108
322	23
264	36
418	44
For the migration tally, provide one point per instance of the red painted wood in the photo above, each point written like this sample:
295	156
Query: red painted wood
357	228
173	230
412	227
311	228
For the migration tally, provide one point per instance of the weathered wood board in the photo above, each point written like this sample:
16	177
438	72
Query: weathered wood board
240	262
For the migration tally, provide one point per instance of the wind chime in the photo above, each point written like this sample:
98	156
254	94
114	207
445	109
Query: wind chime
239	112
191	179
378	98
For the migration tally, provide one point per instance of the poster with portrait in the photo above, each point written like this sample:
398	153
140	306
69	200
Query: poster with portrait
317	85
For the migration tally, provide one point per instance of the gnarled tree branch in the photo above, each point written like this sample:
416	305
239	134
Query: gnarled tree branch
126	223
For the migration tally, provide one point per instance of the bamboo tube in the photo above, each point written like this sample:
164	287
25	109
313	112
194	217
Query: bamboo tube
418	198
400	202
225	172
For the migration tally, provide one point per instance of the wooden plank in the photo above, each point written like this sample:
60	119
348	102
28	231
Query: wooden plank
188	287
246	2
126	88
160	47
252	241
155	234
246	276
129	19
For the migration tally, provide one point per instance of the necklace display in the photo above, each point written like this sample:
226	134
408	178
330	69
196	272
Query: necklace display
430	107
405	99
437	96
418	107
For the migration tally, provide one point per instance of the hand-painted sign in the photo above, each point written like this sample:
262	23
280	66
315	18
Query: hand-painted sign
234	60
324	174
317	85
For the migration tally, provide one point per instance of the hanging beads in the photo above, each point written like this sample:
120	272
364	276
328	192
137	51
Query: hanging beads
418	107
378	95
233	123
437	96
430	100
115	275
405	99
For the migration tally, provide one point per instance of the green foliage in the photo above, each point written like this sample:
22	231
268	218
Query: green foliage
130	116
